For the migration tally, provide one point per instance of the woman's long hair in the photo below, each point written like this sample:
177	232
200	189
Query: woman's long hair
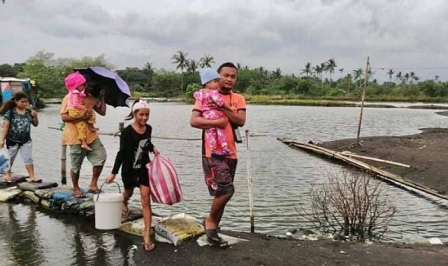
12	102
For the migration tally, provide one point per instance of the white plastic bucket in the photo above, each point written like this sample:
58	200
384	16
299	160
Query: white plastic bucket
108	208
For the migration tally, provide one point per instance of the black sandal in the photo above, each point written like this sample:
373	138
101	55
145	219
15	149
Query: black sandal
214	239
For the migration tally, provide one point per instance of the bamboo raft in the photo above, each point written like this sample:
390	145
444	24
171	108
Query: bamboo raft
379	173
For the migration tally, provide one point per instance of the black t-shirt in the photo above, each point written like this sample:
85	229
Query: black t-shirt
133	154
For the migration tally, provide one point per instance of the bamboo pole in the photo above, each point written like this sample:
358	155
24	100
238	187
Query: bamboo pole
362	101
381	174
64	164
374	159
249	185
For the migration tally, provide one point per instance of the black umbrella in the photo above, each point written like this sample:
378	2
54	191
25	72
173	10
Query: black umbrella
116	90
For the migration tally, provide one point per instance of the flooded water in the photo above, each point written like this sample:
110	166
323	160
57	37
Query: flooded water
282	178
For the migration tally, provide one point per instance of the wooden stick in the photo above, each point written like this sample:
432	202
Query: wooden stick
64	164
362	101
374	159
249	185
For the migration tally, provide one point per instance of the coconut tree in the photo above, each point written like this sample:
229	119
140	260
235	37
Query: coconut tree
308	70
390	73
342	71
206	61
330	66
399	76
180	59
318	71
357	74
277	73
192	65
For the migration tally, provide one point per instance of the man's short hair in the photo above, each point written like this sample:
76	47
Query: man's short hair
227	64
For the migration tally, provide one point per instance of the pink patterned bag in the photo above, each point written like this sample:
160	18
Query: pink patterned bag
165	187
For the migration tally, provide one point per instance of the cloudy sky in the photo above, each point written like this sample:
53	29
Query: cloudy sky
405	35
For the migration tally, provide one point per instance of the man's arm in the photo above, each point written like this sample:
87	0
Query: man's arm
100	107
197	121
238	118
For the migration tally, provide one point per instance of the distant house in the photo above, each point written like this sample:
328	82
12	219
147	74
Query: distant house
10	86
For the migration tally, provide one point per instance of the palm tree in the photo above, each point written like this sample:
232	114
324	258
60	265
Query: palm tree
330	66
318	70
181	60
349	79
399	76
390	73
277	73
411	78
342	71
357	74
192	66
308	70
206	61
238	66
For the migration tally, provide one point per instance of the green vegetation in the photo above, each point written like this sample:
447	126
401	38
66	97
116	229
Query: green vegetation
316	85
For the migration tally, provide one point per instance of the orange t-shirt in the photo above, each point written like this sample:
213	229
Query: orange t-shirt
70	133
233	99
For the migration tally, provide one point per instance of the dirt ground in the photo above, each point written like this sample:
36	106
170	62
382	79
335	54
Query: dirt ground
262	250
427	153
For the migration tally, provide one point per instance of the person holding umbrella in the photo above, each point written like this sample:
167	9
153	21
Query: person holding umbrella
97	155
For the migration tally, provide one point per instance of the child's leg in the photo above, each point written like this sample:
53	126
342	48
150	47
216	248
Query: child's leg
81	127
145	198
222	140
91	122
210	137
82	134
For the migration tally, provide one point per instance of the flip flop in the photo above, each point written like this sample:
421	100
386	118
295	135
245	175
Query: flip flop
35	181
148	247
94	191
7	181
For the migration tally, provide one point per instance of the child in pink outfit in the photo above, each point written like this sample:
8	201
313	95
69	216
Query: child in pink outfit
209	96
76	84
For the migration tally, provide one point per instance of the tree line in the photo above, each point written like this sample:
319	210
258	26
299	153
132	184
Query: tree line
318	81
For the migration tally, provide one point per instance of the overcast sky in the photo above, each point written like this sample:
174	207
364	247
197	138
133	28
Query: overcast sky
405	35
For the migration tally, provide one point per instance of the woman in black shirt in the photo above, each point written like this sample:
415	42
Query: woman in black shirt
132	157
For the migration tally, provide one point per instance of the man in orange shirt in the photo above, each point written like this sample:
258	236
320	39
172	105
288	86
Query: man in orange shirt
97	156
220	172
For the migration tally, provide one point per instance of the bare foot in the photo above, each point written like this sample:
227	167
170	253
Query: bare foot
86	147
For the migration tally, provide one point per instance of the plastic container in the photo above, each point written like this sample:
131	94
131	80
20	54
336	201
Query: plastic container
108	208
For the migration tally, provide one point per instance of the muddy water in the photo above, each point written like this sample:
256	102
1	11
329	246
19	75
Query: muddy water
282	178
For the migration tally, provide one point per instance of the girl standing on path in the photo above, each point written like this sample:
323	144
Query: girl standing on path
17	133
132	157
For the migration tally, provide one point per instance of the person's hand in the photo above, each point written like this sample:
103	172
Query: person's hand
110	178
33	113
221	122
2	143
102	92
156	151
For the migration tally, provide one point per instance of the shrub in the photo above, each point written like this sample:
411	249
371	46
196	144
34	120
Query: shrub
351	203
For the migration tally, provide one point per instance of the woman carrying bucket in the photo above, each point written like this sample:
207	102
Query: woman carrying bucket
132	157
